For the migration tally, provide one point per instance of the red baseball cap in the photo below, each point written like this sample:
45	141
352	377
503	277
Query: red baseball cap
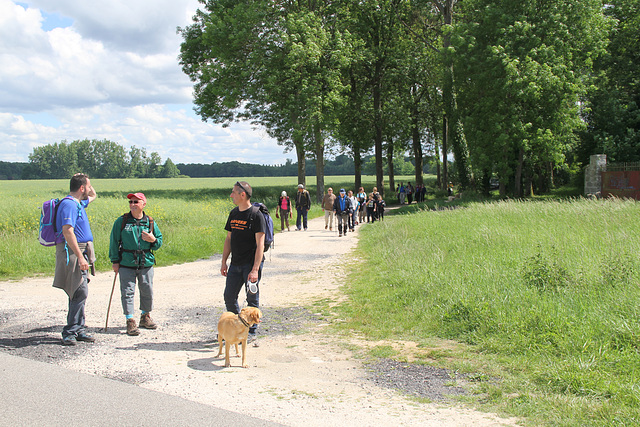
140	196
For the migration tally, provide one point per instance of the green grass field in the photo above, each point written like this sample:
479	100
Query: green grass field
191	214
536	304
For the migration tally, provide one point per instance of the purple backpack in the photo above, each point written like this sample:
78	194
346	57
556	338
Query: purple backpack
48	235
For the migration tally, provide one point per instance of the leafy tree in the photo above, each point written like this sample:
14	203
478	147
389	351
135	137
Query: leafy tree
99	159
520	69
53	161
274	63
169	170
613	108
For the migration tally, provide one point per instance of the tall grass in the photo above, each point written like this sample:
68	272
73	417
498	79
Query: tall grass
549	288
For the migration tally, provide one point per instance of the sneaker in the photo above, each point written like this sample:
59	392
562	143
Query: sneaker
252	339
132	329
83	336
146	322
325	227
69	340
340	235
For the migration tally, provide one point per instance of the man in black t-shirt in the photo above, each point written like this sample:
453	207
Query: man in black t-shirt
245	243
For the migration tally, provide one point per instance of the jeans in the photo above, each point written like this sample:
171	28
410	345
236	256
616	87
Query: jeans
236	279
75	317
128	278
301	218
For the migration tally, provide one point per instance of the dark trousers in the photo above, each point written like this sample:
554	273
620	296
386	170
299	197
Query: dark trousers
301	218
236	279
75	317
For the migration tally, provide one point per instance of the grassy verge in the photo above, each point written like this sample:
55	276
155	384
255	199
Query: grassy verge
544	295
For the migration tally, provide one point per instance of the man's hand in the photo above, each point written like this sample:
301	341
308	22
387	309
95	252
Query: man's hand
83	263
148	237
116	267
223	269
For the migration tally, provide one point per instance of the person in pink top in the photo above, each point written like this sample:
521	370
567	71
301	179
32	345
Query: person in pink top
284	211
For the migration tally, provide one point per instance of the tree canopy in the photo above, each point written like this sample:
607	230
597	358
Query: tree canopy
98	159
513	90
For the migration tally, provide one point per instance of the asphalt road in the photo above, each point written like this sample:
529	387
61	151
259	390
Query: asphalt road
38	393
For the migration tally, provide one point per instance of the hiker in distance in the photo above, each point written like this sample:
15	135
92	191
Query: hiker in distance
284	210
327	208
133	238
342	209
245	244
75	255
303	204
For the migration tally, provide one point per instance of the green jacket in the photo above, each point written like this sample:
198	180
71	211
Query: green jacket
126	246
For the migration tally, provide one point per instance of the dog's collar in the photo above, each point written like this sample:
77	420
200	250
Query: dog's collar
244	322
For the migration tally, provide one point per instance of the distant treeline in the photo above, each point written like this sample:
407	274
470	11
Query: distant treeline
341	165
9	170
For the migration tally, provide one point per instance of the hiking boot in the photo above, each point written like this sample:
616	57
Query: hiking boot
69	340
132	329
83	336
146	322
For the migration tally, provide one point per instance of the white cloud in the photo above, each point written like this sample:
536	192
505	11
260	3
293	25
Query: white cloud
110	71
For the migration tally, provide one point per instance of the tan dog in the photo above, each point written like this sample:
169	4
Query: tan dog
234	329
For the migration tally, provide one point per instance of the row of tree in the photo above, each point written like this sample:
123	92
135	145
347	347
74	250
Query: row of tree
341	165
98	159
47	163
514	90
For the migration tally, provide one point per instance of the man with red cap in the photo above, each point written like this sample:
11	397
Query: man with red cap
134	237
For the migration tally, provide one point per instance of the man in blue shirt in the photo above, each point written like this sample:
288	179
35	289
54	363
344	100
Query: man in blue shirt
75	255
342	208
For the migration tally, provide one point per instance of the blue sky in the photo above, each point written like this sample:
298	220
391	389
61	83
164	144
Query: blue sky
74	69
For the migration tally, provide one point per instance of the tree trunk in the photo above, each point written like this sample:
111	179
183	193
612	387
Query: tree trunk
302	167
377	114
390	166
445	149
454	128
319	140
357	164
417	145
518	177
437	157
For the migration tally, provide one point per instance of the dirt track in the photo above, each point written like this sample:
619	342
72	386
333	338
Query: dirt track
299	375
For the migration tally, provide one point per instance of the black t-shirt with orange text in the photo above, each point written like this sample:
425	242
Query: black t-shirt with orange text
243	239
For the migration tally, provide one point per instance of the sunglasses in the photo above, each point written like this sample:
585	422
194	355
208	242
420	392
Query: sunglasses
242	188
134	202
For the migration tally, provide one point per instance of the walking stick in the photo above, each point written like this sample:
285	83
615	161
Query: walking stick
106	323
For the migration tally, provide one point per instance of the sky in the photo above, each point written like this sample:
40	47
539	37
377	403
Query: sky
77	69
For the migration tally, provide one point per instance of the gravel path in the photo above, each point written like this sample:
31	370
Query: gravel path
299	374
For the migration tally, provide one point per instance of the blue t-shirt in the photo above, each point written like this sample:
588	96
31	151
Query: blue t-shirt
74	214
